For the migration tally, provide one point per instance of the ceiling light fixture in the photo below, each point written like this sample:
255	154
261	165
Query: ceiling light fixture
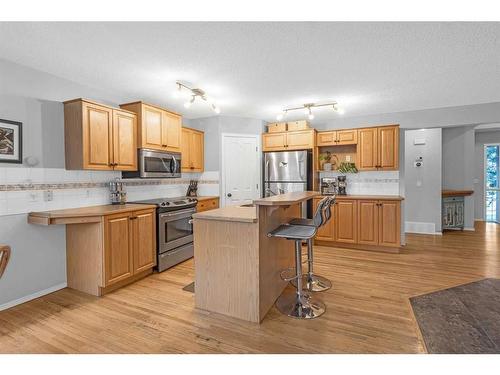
307	108
195	93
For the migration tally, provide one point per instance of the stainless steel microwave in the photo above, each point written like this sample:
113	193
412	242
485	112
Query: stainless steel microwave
156	164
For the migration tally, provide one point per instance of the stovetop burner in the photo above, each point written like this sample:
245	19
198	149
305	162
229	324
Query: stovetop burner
175	203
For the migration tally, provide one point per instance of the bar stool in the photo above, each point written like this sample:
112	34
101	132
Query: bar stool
312	282
299	304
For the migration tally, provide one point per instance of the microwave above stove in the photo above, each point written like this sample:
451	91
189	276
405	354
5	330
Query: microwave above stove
156	164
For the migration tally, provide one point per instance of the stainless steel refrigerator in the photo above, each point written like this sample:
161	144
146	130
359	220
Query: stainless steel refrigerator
288	171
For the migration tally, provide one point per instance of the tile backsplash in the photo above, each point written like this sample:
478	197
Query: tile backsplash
370	183
22	189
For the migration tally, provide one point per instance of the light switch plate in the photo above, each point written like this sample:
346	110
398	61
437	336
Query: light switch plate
48	195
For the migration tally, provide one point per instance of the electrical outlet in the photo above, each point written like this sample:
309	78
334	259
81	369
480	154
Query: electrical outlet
348	158
48	195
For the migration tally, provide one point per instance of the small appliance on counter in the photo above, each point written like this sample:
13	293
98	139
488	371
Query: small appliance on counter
342	185
192	189
329	186
117	191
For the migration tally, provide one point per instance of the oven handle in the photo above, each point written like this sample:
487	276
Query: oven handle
190	221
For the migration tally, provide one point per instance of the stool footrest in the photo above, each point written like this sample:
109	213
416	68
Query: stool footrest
284	277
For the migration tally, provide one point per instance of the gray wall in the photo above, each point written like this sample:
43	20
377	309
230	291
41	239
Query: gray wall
458	165
423	184
481	139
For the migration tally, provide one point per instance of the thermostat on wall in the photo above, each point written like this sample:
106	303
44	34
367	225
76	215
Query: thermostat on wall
419	161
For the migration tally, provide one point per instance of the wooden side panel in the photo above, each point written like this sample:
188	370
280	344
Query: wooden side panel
326	138
118	248
368	222
151	128
97	137
144	237
367	149
171	131
124	141
346	221
300	140
389	223
197	151
388	148
73	135
273	141
347	137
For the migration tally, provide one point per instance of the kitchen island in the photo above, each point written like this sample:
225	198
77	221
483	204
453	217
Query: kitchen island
237	266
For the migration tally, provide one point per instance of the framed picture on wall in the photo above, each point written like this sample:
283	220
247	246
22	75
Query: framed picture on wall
11	141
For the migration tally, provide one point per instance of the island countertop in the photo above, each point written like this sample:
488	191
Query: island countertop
242	214
286	199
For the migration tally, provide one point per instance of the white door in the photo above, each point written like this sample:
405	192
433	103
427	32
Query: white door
240	169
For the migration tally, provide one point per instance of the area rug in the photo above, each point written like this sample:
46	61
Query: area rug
464	319
189	288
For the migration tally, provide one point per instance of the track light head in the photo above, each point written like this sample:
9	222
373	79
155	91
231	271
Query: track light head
189	103
215	108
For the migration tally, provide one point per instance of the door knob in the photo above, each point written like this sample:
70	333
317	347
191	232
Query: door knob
229	195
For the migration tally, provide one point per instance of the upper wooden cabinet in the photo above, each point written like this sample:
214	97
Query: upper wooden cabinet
158	128
99	137
192	149
285	141
378	148
338	138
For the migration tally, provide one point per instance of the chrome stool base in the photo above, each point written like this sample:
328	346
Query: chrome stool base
301	308
314	283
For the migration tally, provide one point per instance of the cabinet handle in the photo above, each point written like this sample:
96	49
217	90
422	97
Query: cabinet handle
133	218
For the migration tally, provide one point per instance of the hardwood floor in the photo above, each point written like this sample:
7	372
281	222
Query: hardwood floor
367	309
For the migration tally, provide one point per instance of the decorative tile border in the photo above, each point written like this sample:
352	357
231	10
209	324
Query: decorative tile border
94	185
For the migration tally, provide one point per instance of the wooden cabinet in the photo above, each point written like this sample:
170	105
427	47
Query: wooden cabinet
129	245
159	129
338	138
327	231
207	204
192	149
98	137
346	221
296	140
368	222
378	148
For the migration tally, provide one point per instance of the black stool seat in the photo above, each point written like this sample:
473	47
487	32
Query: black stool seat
293	232
306	222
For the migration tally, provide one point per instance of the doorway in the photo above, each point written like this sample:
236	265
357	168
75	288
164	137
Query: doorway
240	172
491	182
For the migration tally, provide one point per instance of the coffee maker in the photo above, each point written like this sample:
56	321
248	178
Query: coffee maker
342	185
329	186
117	192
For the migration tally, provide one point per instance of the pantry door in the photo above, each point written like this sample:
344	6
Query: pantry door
241	160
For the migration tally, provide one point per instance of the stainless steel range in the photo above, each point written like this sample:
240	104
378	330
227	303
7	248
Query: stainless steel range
174	234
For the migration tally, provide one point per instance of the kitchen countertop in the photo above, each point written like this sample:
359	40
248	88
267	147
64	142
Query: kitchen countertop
286	199
230	213
81	213
456	193
378	197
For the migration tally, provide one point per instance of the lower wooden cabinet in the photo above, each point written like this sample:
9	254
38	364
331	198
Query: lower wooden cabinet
129	245
207	204
363	223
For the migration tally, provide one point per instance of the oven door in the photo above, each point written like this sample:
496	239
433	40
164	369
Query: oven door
156	164
175	229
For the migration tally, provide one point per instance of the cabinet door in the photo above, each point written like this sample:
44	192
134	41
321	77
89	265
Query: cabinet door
144	235
347	137
300	140
388	148
346	220
389	223
326	138
124	141
118	255
368	222
186	150
171	131
327	231
151	128
367	149
274	141
197	151
97	137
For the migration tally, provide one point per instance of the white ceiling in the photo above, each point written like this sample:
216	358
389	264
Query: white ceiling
255	69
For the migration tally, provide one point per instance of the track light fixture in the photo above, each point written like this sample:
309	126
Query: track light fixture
307	108
195	93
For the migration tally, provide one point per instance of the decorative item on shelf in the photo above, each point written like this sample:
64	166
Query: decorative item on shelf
11	142
195	93
307	108
329	161
347	167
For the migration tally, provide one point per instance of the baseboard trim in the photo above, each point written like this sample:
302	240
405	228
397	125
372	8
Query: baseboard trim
470	229
30	297
429	233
